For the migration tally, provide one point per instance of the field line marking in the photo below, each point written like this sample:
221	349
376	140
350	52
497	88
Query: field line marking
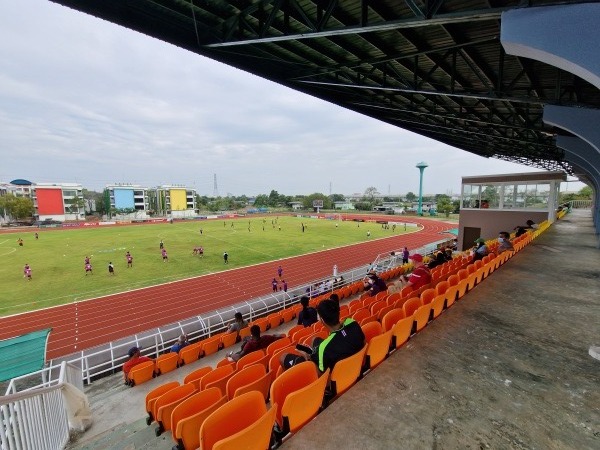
12	250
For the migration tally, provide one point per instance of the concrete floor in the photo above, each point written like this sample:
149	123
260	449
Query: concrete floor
507	367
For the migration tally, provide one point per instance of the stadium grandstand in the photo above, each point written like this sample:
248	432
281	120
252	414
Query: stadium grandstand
490	354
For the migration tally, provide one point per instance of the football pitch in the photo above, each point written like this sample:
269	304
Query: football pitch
57	257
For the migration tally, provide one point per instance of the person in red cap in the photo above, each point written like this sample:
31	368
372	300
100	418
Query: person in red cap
420	276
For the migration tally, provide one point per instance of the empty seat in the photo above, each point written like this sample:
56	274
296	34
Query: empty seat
372	318
437	305
401	332
255	357
302	405
441	287
346	372
390	319
195	376
377	350
166	403
166	363
210	345
361	314
287	315
243	422
293	379
228	339
217	377
189	354
301	333
371	330
251	378
427	296
154	394
411	305
294	330
244	332
421	316
278	344
188	416
274	320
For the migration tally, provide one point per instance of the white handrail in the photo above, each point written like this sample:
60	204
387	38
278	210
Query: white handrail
36	418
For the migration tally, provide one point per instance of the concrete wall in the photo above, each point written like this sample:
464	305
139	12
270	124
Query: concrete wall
492	222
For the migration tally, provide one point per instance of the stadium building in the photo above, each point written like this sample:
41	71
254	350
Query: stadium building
127	199
175	201
58	201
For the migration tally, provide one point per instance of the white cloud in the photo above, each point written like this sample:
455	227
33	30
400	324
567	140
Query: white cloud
85	100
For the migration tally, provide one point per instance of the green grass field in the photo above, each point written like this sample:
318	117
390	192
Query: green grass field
57	258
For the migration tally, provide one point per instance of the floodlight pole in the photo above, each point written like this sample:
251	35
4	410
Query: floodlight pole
421	166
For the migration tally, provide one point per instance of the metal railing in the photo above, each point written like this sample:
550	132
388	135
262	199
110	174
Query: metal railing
36	416
109	358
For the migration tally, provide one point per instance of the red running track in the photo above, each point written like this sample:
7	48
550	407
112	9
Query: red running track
82	325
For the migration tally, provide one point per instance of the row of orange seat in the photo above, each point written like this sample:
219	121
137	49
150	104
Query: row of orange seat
223	408
170	361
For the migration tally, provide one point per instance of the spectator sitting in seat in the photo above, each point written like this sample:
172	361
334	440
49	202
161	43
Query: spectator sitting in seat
373	284
308	315
480	249
504	242
345	339
237	324
134	360
419	277
181	342
440	258
256	342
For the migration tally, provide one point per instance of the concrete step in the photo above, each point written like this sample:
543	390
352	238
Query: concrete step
132	436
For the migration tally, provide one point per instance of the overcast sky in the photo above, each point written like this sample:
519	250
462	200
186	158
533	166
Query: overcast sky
84	100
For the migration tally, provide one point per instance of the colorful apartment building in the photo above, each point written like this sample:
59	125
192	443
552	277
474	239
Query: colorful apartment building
128	200
173	200
58	201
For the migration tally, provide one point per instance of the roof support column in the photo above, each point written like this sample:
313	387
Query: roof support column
588	170
564	36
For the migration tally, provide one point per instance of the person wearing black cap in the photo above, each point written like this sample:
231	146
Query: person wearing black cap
134	359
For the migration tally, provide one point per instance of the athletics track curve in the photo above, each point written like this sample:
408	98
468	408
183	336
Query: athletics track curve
81	325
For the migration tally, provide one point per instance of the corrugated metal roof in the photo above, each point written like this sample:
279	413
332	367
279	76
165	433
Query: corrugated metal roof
436	68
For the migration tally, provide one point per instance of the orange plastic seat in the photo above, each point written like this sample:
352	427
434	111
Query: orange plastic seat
210	345
166	403
390	319
393	298
453	280
294	330
255	357
451	295
244	332
154	394
427	296
346	372
421	316
195	376
462	274
262	324
217	377
367	320
361	314
441	287
274	320
401	332
406	291
141	373
411	305
226	362
302	333
189	354
287	315
302	405
166	363
228	339
463	286
377	350
278	344
292	380
437	305
188	416
249	376
371	330
275	364
243	422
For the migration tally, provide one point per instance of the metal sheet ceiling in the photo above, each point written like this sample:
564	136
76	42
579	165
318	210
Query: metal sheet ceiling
434	67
